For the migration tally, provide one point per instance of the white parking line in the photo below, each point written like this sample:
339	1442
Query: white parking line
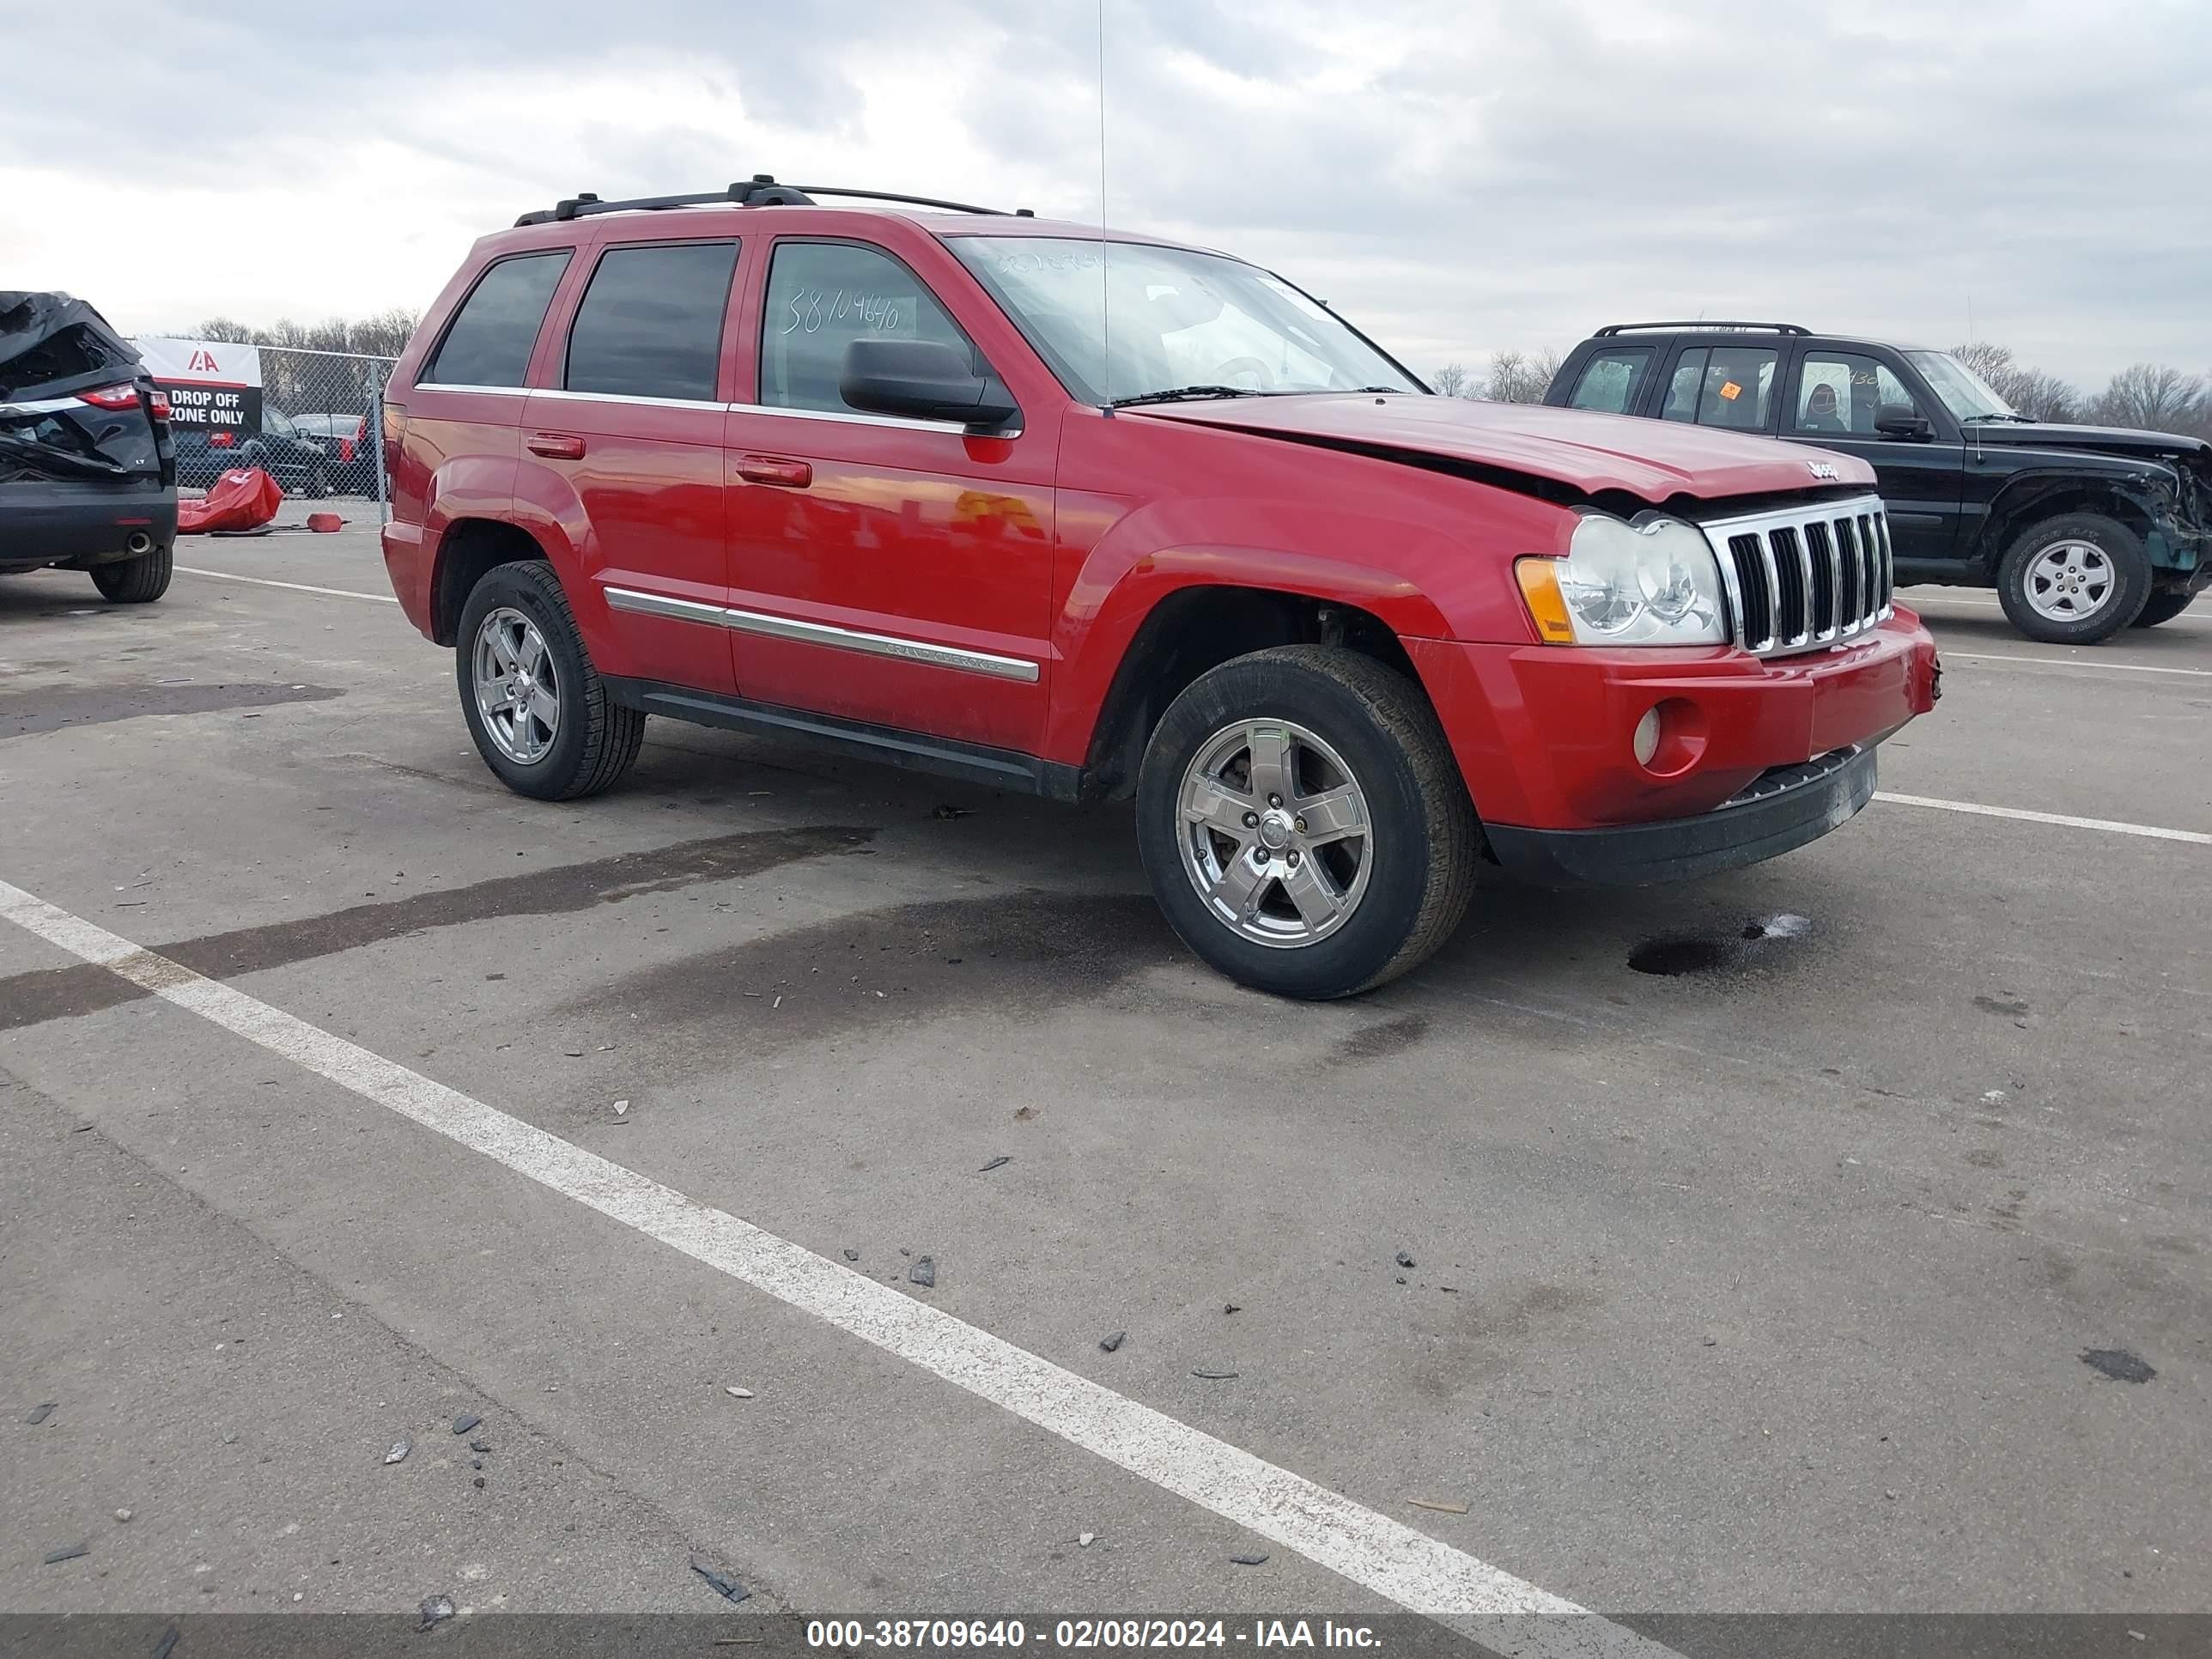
2109	825
297	587
1918	600
1409	1567
1949	655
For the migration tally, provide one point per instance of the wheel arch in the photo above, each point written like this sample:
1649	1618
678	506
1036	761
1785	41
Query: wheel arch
1188	629
469	549
2030	499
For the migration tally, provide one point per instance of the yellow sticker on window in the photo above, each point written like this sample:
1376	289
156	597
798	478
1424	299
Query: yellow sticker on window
1731	391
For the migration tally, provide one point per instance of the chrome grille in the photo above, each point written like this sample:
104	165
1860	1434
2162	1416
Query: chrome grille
1804	576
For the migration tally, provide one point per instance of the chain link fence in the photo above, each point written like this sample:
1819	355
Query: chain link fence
312	420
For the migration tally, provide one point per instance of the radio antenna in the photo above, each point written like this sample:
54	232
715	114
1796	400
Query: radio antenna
1105	302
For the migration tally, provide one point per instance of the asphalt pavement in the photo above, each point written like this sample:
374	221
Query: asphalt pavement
1834	1235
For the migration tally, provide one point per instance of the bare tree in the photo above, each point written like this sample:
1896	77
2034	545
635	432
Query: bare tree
2034	391
1546	370
222	330
2043	396
2152	397
380	336
385	334
1511	379
1986	358
1450	379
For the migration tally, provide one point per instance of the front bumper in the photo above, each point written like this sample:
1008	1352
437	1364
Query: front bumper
1783	809
63	522
1545	734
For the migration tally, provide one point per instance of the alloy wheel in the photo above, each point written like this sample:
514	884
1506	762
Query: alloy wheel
517	693
1275	833
2070	581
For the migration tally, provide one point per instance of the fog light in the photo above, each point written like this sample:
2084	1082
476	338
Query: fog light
1646	741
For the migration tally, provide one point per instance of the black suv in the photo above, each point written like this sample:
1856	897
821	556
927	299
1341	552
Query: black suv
88	479
2082	530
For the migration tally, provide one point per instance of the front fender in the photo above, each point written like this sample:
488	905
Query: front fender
2145	496
1418	579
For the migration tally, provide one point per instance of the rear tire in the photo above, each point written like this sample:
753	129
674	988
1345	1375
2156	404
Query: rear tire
591	740
2163	608
2075	580
137	581
1304	825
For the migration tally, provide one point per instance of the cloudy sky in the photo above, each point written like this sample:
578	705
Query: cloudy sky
1459	176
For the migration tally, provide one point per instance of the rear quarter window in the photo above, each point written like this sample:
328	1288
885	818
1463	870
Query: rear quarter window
490	341
1612	380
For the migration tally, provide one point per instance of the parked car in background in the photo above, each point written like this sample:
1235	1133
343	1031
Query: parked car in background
301	464
887	487
87	477
2082	530
351	447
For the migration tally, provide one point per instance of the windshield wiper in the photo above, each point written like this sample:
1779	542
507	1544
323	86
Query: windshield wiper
2024	420
1186	394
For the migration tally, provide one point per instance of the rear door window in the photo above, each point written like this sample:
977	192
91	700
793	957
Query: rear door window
495	330
651	322
1612	380
1723	386
822	296
1682	390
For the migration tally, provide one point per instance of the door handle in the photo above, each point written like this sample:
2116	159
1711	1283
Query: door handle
556	446
774	470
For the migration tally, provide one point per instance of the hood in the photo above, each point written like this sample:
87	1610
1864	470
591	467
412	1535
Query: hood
1589	454
2103	440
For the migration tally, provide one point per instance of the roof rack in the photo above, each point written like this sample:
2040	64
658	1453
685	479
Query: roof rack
1706	324
760	190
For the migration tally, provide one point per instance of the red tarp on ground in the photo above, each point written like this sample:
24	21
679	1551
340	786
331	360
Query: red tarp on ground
243	499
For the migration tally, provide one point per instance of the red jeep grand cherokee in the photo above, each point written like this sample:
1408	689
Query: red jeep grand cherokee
885	479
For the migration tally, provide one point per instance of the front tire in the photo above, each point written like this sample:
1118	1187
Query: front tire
2073	580
539	711
2163	608
137	581
1304	823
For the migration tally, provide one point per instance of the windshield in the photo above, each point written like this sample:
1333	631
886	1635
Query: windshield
1964	394
1174	319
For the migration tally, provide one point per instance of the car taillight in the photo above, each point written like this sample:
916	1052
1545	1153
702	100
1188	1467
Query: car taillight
345	450
220	440
159	407
111	397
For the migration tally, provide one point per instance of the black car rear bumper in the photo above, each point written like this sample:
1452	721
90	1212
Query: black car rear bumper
45	523
1782	809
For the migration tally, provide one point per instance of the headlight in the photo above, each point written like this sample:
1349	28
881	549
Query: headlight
1652	582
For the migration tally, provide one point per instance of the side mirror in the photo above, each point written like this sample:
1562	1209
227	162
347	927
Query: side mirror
1902	421
924	380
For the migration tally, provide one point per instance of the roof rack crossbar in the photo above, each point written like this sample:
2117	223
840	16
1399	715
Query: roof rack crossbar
759	190
1715	325
911	201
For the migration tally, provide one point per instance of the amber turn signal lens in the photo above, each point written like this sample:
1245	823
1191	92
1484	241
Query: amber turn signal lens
1547	606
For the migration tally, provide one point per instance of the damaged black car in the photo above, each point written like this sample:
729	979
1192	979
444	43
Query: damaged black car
87	475
2082	531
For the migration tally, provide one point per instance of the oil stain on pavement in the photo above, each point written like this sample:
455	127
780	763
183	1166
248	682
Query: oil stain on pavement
50	709
1023	952
1675	954
28	999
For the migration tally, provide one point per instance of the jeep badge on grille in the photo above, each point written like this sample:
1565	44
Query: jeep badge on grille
1822	469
